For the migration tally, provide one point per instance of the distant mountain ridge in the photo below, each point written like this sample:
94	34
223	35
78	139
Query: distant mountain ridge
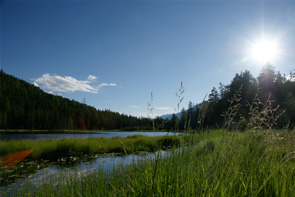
169	116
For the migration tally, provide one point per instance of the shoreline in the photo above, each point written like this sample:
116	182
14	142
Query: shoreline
15	131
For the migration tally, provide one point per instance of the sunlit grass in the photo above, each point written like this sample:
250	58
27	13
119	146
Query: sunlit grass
220	163
55	149
67	151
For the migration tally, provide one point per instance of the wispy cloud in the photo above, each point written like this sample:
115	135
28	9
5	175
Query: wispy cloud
156	108
141	111
92	77
164	108
106	84
50	92
55	83
136	107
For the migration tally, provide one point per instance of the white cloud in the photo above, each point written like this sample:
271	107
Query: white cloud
106	84
50	92
288	78
156	108
92	77
141	111
35	84
136	107
57	83
164	108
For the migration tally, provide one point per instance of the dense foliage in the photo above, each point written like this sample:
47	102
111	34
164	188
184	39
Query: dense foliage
269	86
24	106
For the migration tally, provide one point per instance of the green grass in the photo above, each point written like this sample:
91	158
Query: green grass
55	149
219	163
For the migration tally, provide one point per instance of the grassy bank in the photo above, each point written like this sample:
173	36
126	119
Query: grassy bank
55	149
219	164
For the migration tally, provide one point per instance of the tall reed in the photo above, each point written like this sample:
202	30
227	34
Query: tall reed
208	168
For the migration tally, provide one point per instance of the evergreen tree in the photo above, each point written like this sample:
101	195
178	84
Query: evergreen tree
24	106
266	81
213	96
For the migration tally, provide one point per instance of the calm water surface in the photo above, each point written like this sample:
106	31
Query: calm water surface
81	167
78	134
53	173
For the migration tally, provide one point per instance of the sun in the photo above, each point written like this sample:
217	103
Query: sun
265	51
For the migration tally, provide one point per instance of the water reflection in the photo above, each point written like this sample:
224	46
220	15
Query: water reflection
39	172
77	134
84	166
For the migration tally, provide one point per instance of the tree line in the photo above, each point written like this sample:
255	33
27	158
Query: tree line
24	106
269	86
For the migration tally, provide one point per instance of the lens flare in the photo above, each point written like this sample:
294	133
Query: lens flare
11	159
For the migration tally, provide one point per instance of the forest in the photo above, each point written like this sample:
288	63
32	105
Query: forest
270	89
24	106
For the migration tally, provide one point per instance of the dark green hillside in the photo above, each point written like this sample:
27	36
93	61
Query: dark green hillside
24	106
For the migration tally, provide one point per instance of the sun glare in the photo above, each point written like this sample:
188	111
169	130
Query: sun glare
265	51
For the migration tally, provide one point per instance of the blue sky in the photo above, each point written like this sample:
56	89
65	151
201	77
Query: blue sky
114	54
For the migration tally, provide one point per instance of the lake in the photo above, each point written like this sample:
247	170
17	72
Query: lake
38	172
78	134
51	173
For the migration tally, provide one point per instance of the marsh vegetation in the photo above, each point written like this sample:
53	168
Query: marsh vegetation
218	163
